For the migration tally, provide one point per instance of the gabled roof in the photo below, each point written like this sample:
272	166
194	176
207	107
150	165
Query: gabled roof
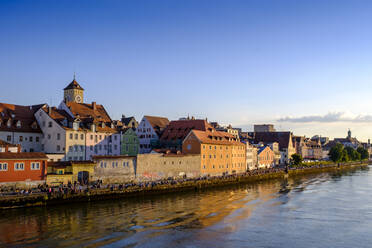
216	137
23	155
91	113
261	149
127	120
73	85
57	114
87	111
24	115
181	128
283	138
157	123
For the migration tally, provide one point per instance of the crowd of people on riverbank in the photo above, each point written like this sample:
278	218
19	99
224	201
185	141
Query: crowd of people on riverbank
76	187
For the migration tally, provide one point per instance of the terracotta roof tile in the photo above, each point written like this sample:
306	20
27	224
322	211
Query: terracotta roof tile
181	128
22	155
86	111
157	123
216	137
17	114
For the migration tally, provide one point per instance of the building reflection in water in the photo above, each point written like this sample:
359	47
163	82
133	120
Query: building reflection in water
100	223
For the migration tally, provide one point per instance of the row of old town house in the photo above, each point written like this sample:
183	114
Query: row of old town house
78	141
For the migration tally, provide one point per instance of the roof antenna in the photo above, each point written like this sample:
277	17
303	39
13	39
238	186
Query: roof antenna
74	75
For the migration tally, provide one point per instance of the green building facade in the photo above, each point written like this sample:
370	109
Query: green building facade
129	142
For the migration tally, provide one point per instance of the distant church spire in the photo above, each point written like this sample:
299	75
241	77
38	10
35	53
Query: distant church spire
349	134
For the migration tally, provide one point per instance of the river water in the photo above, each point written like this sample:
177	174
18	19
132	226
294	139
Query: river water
323	210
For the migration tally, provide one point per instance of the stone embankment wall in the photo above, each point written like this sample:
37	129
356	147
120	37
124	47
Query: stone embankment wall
119	169
158	166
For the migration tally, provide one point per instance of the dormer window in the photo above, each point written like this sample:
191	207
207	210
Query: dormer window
18	124
75	125
93	127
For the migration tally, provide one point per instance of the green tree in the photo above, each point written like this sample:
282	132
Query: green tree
352	153
363	153
336	153
345	156
296	159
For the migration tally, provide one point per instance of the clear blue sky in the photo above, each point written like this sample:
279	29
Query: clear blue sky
291	63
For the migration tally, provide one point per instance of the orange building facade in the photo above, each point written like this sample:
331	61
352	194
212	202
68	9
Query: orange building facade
23	167
265	157
221	153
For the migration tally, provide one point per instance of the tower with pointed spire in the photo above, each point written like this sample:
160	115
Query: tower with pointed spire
349	134
73	92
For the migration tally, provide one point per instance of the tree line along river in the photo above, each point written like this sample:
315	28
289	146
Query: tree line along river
323	210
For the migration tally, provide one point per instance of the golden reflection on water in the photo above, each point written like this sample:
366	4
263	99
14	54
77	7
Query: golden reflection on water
99	223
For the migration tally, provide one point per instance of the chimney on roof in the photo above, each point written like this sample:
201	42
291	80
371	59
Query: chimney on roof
192	118
6	148
94	105
49	110
18	148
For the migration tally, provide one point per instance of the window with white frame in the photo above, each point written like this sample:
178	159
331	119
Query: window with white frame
19	166
35	166
3	166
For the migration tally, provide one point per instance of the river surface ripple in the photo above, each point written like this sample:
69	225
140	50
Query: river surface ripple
323	210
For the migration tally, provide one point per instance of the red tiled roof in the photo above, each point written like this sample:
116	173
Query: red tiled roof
181	128
157	123
23	155
216	137
88	115
85	111
57	114
19	114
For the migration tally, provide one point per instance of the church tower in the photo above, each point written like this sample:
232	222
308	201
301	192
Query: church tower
73	92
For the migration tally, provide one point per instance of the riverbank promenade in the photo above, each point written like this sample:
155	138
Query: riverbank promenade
63	194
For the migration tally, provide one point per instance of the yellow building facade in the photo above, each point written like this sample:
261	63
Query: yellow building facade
221	153
70	171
